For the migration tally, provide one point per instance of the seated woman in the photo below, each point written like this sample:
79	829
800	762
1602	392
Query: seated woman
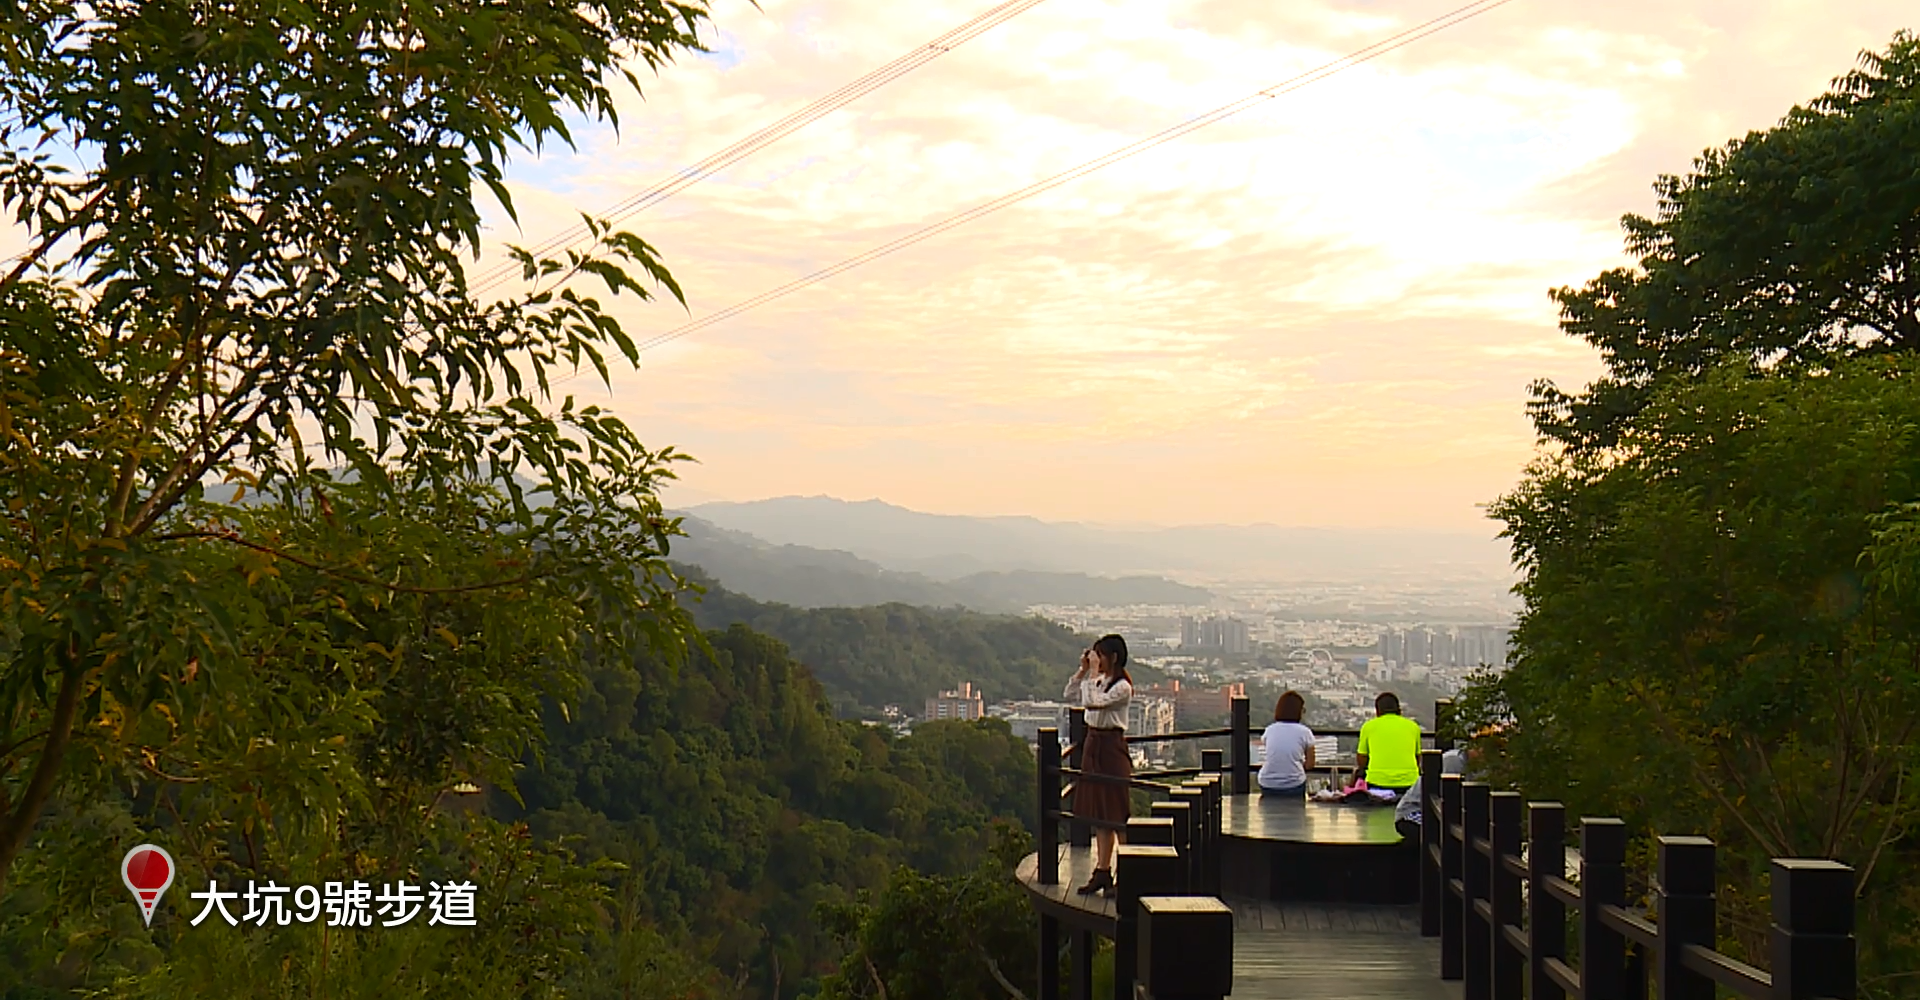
1289	750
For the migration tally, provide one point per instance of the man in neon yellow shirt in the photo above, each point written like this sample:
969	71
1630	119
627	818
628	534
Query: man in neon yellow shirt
1389	752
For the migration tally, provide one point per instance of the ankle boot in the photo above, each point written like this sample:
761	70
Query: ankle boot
1101	880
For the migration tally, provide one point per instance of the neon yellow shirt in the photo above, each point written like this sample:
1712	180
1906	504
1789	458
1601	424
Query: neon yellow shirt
1392	746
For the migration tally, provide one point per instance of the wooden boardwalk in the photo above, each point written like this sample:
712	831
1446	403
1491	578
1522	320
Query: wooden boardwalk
1289	951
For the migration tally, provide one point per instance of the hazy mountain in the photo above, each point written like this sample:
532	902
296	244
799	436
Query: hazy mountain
809	577
946	547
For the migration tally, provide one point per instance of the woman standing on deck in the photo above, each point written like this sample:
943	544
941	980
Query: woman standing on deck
1101	794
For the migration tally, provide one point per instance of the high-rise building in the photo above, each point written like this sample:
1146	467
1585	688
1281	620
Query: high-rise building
1419	645
1483	645
964	703
1471	647
1392	645
1228	635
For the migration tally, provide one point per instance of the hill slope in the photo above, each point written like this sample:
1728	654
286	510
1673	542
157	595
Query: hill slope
870	657
808	577
948	547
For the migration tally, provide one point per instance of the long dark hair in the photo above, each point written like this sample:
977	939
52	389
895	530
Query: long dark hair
1113	649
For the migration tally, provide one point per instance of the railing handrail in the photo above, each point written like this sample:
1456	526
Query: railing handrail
1495	937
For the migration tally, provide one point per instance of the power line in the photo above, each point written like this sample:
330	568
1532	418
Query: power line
688	176
1215	116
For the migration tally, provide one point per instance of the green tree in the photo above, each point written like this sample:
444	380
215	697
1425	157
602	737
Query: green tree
1721	631
1798	242
925	937
246	263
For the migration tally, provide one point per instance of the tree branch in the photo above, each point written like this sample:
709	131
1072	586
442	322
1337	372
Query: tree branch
994	967
234	538
1701	775
18	825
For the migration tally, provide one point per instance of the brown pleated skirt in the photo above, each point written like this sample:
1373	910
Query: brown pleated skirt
1104	802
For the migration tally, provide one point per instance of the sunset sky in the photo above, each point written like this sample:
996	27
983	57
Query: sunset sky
1325	311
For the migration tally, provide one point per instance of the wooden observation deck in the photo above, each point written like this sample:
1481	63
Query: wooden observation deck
1221	893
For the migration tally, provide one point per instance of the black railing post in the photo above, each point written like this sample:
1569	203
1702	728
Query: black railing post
1176	811
1080	969
1049	958
1213	761
1432	887
1047	756
1185	946
1683	911
1138	870
1079	833
1242	746
1216	812
1453	858
1812	934
1503	833
1603	883
1195	799
1478	950
1154	830
1442	718
1546	915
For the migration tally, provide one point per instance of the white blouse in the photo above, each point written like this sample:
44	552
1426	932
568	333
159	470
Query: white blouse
1106	706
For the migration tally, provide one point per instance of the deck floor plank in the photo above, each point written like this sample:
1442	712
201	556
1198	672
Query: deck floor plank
1297	951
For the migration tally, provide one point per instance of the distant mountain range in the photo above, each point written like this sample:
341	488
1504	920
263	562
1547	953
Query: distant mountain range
808	577
950	548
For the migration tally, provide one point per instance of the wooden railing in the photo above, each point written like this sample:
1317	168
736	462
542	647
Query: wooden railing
1495	890
1168	875
1495	887
1236	765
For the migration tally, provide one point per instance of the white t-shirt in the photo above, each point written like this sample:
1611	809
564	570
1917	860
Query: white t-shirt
1286	765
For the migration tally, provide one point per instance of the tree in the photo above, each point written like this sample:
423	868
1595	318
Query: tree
925	937
246	264
1797	243
1721	631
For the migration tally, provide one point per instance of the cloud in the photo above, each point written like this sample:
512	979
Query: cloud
1324	310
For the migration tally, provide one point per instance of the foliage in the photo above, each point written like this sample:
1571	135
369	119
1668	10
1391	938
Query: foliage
738	804
246	260
323	749
968	936
1792	244
1722	632
896	654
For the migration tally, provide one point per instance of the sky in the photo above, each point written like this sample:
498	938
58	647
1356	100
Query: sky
1325	311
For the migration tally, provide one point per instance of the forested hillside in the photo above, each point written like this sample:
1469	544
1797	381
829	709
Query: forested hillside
898	654
810	577
742	809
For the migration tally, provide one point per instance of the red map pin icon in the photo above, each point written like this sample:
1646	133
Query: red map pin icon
148	871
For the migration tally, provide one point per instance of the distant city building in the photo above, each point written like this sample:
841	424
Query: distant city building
1151	716
1027	718
965	703
1192	703
1377	669
1227	635
1419	645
